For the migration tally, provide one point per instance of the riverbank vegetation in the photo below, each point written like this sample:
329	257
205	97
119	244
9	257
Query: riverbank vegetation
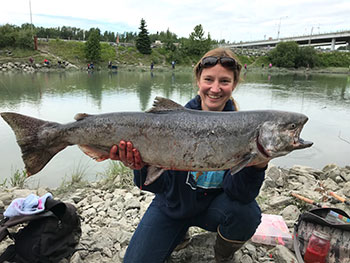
80	47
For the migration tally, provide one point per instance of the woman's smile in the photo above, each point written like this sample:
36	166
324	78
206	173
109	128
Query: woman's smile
215	87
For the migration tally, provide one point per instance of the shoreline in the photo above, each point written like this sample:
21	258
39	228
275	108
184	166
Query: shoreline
18	66
110	214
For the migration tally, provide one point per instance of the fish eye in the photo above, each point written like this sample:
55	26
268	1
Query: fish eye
292	125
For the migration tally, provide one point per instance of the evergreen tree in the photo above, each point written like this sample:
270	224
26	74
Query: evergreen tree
143	42
196	45
93	46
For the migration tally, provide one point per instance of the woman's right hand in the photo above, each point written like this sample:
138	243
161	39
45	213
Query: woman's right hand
128	155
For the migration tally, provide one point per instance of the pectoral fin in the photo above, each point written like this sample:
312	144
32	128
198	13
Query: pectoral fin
95	153
246	159
153	174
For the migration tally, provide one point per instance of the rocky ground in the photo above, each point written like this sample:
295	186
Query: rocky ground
109	217
28	67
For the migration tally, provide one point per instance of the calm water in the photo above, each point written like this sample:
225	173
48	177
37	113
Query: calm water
59	96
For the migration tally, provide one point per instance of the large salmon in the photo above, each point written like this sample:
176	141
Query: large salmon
168	136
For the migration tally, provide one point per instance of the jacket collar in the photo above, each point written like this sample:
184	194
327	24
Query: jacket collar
195	104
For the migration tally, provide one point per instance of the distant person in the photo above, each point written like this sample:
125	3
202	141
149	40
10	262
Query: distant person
262	65
91	65
46	62
173	64
152	65
245	66
31	60
109	64
270	65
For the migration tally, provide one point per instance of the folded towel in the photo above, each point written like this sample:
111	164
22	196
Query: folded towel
32	204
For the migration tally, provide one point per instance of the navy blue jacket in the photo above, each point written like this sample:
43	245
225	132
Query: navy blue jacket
178	195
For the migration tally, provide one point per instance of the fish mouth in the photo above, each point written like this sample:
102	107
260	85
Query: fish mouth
301	144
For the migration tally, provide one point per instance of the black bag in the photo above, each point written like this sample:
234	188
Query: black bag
339	233
48	237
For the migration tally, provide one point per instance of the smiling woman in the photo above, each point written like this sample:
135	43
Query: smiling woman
215	80
221	201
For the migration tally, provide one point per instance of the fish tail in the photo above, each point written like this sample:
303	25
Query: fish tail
36	139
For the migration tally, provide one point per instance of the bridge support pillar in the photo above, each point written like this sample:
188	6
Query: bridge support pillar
333	44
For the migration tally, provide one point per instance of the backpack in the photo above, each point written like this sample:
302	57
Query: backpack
48	237
317	220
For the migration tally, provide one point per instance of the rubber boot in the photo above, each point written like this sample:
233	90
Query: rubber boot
224	248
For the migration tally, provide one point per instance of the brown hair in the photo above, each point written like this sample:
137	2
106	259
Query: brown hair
220	52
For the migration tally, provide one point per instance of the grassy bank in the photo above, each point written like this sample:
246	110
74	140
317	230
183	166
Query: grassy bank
129	58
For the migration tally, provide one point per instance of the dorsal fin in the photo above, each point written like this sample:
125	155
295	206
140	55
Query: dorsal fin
161	104
81	116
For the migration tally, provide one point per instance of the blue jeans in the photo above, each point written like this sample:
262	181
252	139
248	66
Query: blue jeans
157	235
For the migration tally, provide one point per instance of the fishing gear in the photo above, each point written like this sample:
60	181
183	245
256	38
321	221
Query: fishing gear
307	200
341	199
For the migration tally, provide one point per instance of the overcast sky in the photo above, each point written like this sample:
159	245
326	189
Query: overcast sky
231	20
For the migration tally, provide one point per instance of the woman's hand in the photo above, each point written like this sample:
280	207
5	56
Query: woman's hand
128	155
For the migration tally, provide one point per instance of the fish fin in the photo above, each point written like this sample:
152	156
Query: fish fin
246	159
161	104
94	152
28	130
153	174
81	116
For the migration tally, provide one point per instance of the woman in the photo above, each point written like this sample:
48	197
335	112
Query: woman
216	201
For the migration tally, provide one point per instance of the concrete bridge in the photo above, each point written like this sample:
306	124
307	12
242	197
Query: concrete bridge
329	39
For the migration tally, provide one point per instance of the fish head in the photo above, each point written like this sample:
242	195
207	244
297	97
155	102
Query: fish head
281	136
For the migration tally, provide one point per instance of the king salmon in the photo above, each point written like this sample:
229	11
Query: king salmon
168	136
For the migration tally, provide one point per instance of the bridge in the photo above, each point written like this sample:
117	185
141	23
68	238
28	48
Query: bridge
328	39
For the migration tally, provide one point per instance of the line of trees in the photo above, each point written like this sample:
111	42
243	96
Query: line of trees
291	55
181	50
13	36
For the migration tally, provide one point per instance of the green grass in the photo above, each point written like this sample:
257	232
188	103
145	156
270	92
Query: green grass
18	178
77	180
116	176
72	51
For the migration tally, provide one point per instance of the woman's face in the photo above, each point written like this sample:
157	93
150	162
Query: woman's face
215	87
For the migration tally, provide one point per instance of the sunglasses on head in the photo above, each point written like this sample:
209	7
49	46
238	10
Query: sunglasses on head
226	62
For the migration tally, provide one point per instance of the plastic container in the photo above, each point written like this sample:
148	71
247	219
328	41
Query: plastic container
317	248
273	231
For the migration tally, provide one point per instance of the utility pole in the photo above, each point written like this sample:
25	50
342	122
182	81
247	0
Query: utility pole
279	27
312	29
31	25
30	12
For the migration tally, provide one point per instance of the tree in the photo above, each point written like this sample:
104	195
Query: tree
307	57
93	46
197	45
143	42
289	55
24	39
285	54
7	35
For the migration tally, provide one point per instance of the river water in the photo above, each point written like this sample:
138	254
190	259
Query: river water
58	96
